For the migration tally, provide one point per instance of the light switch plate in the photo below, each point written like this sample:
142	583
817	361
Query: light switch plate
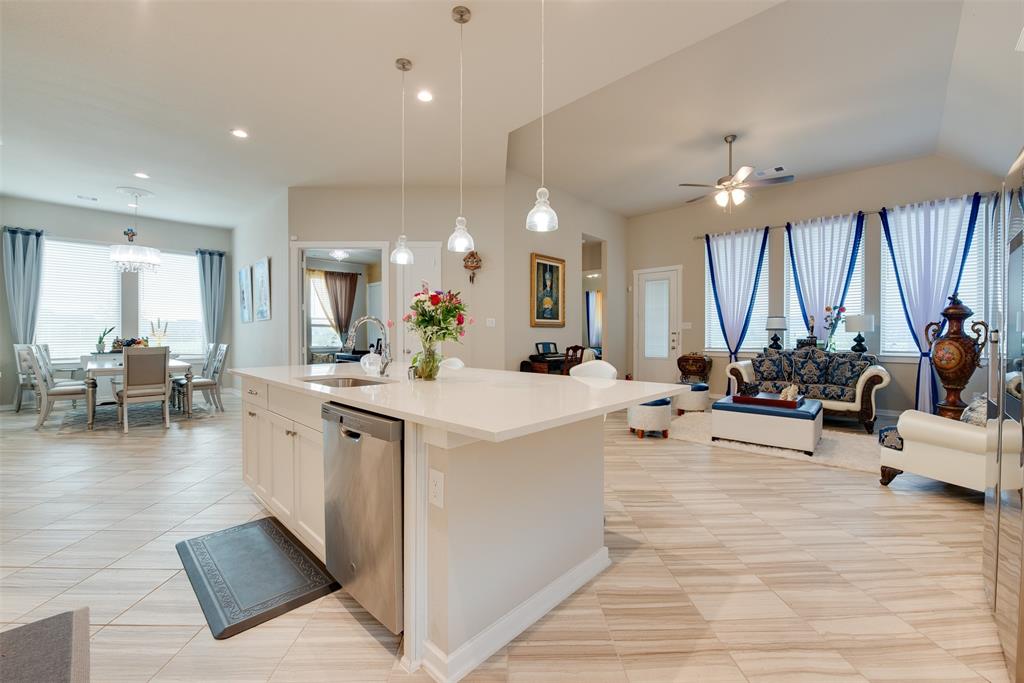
436	488
491	322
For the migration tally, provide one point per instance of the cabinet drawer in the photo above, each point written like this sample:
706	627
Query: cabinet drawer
254	392
295	406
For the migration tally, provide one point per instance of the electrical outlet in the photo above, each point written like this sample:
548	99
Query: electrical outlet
436	488
491	322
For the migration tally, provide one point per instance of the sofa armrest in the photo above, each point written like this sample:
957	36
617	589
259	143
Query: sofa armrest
741	371
919	427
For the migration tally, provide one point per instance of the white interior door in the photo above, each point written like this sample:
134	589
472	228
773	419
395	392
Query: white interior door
656	301
426	267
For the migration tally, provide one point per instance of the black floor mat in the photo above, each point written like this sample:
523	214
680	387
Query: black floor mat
251	573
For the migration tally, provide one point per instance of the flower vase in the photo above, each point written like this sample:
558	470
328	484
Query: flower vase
428	362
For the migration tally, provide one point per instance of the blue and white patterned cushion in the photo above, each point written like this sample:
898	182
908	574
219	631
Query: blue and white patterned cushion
811	368
768	368
845	372
976	412
828	392
890	438
773	387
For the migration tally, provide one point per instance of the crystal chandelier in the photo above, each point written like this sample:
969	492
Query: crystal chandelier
131	257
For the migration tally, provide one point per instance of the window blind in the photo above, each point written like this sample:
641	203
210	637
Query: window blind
795	328
757	335
171	293
79	297
321	334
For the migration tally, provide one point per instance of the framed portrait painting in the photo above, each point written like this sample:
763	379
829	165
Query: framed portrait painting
547	291
245	293
261	289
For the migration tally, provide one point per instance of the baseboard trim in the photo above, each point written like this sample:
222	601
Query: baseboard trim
474	652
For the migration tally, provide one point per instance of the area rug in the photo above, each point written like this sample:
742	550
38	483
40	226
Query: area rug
251	573
52	649
139	415
836	449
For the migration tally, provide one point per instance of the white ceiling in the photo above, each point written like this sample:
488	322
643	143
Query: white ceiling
93	91
817	87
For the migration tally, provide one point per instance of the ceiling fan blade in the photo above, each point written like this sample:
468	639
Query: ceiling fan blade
742	174
694	185
770	181
697	199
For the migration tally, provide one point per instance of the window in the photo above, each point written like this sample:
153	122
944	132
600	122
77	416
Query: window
321	334
656	318
171	294
854	301
896	339
80	297
757	335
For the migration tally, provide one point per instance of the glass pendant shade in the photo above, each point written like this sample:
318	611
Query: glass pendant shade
132	258
738	196
402	255
460	240
722	198
542	218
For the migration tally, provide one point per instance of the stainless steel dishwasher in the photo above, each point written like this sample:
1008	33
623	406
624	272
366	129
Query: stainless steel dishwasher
363	508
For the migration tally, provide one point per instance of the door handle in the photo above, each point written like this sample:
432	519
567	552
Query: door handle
289	432
253	392
252	414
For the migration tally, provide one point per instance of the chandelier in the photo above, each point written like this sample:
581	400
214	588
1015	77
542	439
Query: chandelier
131	257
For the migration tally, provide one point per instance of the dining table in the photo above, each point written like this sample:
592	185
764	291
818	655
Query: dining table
112	367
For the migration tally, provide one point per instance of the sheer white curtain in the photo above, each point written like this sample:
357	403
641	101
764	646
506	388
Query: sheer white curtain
735	260
594	318
822	253
928	243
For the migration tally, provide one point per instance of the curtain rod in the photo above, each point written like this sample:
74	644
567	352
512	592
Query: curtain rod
773	227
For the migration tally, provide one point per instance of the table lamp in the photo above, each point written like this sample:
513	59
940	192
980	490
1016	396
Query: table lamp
776	324
858	324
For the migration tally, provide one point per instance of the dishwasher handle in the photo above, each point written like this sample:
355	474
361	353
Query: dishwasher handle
368	424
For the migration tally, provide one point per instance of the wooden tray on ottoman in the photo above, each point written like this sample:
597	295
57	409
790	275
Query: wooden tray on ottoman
763	398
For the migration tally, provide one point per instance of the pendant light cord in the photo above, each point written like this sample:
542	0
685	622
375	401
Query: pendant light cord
460	121
403	152
542	93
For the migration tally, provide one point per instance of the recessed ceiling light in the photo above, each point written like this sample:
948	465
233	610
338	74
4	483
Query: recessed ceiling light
239	133
86	198
424	96
140	174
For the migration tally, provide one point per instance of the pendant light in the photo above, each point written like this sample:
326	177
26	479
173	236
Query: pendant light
131	257
460	240
402	255
542	218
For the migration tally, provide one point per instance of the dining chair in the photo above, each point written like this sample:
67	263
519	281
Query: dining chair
146	380
209	382
49	392
573	357
42	355
595	368
25	378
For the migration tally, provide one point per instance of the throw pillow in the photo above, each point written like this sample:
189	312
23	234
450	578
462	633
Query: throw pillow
811	368
976	412
890	438
845	373
767	368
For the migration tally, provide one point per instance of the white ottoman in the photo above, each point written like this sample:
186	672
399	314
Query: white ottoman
797	429
694	398
654	416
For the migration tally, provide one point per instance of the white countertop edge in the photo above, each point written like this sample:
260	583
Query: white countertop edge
350	397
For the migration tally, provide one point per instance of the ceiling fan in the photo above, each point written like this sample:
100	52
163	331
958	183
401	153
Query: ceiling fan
730	190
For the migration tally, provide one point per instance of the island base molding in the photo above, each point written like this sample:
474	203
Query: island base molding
451	668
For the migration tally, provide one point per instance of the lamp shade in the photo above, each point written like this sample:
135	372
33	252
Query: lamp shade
860	323
775	322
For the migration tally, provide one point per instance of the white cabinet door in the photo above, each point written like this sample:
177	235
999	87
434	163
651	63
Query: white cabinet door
282	443
257	451
250	446
309	488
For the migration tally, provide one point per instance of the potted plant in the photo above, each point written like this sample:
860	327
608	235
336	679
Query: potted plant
833	316
101	341
435	317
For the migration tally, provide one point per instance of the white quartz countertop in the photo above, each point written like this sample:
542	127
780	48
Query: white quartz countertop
493	405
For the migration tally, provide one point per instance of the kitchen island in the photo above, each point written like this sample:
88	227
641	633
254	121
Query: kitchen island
503	488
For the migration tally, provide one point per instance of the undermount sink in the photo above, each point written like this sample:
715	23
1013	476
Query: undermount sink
342	382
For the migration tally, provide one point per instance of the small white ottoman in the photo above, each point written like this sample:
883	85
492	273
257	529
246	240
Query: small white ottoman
654	416
797	429
693	399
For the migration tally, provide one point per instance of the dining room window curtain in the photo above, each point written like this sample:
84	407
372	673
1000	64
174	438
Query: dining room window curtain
23	271
823	253
341	295
735	261
594	318
928	244
212	291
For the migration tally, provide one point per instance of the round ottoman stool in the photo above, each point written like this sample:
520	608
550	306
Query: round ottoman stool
653	416
693	399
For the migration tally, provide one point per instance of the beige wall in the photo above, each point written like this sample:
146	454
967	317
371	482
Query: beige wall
666	238
575	217
89	225
264	233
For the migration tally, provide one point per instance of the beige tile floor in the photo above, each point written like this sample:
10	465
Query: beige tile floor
727	566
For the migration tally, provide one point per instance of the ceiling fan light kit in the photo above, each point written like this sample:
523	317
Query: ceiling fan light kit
731	189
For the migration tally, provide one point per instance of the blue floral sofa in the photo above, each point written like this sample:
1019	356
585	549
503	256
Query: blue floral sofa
844	382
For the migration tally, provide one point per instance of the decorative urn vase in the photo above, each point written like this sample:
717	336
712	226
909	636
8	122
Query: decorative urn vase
955	355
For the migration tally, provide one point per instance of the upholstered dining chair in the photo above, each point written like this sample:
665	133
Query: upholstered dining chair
25	378
595	368
209	382
42	354
49	391
146	380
